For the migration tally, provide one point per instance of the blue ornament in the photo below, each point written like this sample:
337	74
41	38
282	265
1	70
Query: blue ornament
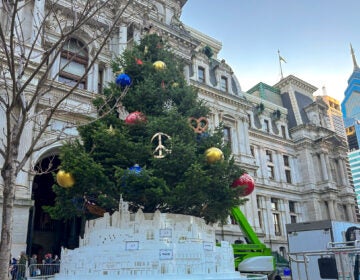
123	80
202	136
135	169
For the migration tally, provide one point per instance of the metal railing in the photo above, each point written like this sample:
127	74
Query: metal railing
47	271
343	254
33	271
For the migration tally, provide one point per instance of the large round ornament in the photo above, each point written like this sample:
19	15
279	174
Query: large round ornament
123	80
65	179
159	65
246	181
135	118
213	155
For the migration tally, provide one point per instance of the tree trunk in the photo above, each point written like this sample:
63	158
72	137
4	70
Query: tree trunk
9	177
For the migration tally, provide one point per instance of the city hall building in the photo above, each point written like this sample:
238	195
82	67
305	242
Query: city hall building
280	134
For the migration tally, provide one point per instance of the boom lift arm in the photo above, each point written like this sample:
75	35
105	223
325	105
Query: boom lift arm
253	256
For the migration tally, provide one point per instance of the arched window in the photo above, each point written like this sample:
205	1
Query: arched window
73	63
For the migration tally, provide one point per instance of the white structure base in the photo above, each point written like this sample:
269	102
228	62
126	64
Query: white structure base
148	246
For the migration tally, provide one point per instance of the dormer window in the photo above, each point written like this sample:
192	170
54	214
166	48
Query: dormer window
201	74
73	63
224	84
266	126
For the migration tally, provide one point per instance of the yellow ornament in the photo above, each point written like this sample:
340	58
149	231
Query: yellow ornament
175	85
65	179
159	65
119	72
213	155
111	130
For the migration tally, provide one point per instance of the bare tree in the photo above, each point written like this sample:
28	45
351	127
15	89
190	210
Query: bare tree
35	42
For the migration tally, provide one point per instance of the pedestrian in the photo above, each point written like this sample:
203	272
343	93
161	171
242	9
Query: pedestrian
56	262
48	264
22	266
13	268
33	265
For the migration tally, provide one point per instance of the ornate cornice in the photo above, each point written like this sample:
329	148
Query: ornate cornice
218	95
271	138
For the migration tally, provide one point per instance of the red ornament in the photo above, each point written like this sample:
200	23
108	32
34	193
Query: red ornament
135	118
246	181
138	61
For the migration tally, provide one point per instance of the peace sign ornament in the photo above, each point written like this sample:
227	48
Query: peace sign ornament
160	150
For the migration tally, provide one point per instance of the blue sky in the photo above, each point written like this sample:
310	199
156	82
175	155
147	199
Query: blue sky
313	36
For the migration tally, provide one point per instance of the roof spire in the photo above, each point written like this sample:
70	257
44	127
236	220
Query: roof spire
356	67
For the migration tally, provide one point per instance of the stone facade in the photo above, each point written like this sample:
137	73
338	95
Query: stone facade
280	134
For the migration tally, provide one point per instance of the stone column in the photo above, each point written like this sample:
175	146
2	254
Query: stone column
122	37
246	135
276	162
350	212
262	162
241	135
38	19
94	78
187	73
281	167
328	167
331	209
137	34
344	174
268	219
324	172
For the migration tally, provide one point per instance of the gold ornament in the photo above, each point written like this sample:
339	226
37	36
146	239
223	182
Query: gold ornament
159	65
213	155
111	130
160	151
118	72
65	179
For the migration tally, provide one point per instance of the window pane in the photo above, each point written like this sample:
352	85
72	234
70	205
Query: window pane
286	160
227	135
201	73
274	204
288	176
75	47
71	82
224	84
72	67
276	220
283	132
267	127
270	170
268	155
292	206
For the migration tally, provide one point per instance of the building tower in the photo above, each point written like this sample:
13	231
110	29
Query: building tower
334	113
351	114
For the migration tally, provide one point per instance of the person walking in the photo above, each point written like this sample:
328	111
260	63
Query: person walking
33	265
22	266
56	262
13	268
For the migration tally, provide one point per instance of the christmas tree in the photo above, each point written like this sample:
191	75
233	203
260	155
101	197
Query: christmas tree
162	156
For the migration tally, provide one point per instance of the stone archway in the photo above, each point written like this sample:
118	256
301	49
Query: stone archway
42	229
46	235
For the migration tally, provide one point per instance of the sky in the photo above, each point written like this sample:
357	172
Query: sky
313	36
